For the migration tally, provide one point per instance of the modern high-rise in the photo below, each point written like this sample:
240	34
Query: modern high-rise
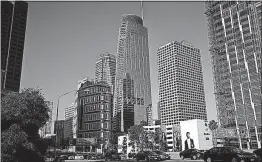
132	93
106	69
234	30
69	116
59	131
13	28
181	86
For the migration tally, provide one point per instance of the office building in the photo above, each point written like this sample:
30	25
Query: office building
13	28
59	131
106	69
158	111
181	86
69	117
132	93
95	101
234	30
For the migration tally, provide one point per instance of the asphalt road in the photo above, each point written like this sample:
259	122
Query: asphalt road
172	160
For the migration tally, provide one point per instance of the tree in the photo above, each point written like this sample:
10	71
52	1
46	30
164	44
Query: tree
22	116
143	123
213	125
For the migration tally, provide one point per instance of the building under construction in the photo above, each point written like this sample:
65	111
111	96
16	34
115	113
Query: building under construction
234	30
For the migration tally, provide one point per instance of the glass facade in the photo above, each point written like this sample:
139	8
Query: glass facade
13	28
181	86
132	87
234	30
106	69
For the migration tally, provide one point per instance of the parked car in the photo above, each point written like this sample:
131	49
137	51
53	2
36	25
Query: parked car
147	155
64	157
114	156
193	154
229	154
58	159
258	152
163	155
132	155
71	158
79	157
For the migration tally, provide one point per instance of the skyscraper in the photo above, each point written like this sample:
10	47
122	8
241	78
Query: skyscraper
132	87
106	69
234	30
181	86
68	126
13	28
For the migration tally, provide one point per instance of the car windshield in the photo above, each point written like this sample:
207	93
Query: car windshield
236	150
152	153
159	152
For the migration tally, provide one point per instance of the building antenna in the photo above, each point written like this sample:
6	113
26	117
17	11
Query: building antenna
142	11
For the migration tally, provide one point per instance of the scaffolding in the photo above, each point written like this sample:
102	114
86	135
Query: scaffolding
226	110
234	110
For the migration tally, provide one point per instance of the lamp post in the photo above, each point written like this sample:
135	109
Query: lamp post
57	112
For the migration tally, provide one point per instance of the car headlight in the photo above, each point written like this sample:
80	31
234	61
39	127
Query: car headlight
241	156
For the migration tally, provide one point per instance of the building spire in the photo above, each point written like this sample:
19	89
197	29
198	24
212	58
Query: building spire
142	11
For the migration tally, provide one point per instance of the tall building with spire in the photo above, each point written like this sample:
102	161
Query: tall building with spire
234	30
132	87
106	69
13	28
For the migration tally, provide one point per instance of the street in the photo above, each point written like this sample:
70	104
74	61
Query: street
172	160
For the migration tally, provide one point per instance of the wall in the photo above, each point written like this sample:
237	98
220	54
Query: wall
199	132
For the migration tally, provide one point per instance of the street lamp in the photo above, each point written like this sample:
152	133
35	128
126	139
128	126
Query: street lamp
57	112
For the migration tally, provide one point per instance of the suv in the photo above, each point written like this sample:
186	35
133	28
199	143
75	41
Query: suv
228	154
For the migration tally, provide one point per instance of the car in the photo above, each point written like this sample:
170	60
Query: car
147	155
58	159
193	154
114	156
229	154
79	157
163	155
258	152
64	157
71	158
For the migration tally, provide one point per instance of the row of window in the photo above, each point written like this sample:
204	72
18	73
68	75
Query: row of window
97	116
96	107
96	126
95	98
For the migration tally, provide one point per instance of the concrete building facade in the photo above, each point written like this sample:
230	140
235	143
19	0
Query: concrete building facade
181	86
94	107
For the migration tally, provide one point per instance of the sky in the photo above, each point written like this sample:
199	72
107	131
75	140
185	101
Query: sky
64	40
